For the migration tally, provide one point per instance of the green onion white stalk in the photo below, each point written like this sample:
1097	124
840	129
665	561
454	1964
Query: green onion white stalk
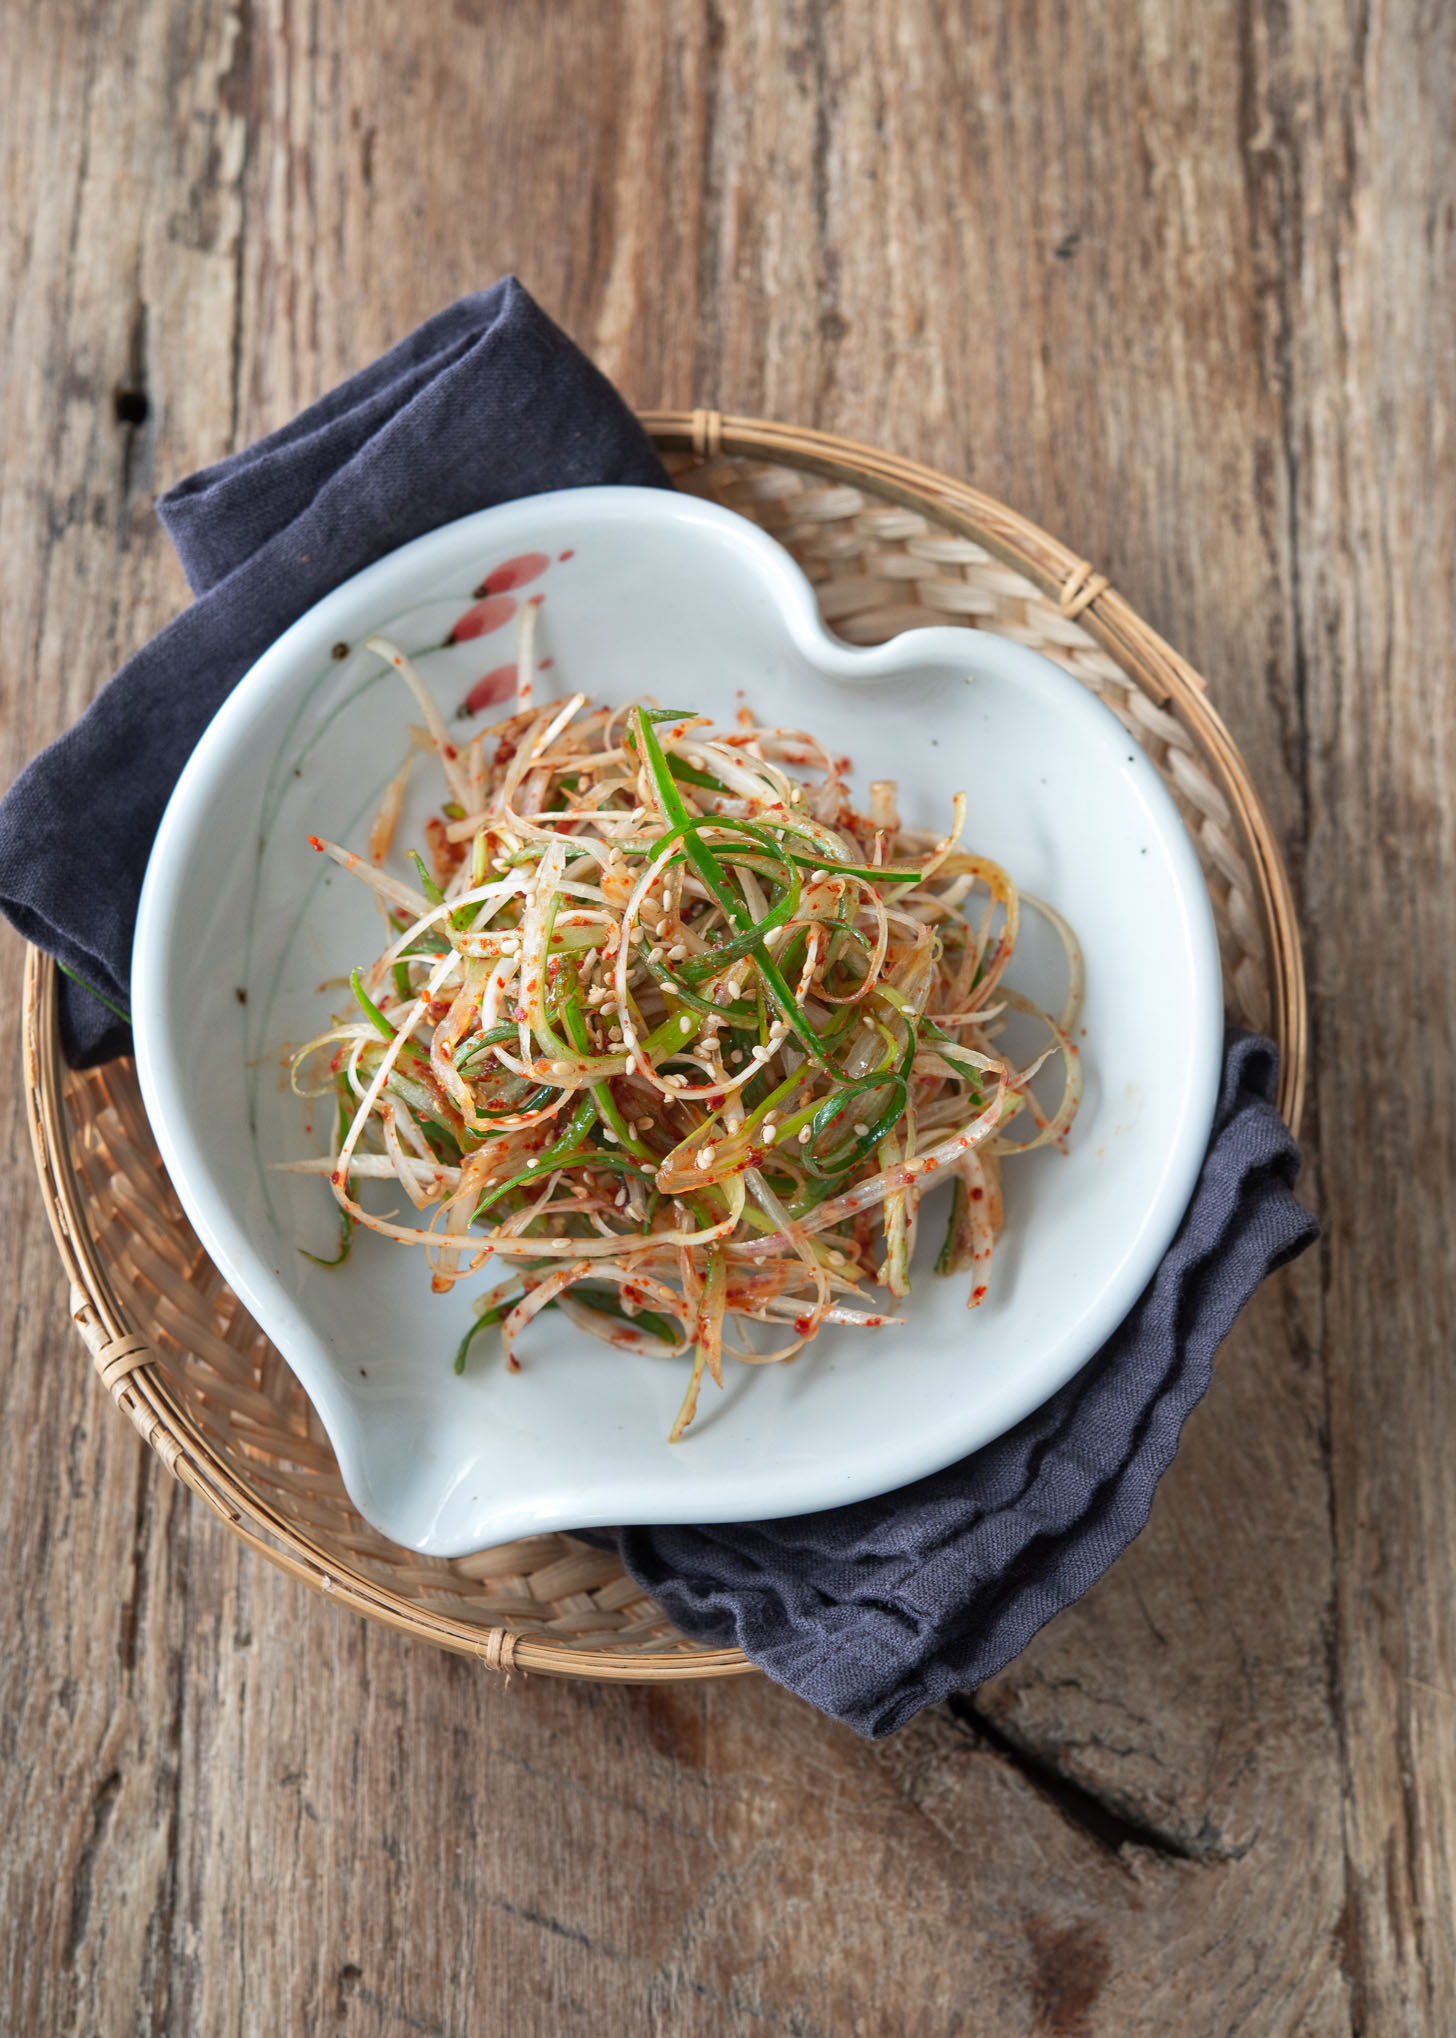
672	1033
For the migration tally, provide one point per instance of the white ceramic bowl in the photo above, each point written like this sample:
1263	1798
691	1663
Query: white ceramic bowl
653	592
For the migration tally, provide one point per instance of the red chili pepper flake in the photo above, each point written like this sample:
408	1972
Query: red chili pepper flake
450	752
569	553
314	842
803	1325
977	1194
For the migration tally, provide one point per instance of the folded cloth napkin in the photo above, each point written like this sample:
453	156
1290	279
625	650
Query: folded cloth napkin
487	401
875	1610
870	1611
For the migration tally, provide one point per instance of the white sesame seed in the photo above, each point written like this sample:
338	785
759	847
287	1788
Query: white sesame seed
803	1135
534	1161
705	1156
769	1134
685	1025
736	1056
677	951
836	1259
562	1068
861	1129
610	1136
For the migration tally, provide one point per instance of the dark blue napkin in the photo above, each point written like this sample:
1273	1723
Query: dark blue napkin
487	401
871	1611
875	1610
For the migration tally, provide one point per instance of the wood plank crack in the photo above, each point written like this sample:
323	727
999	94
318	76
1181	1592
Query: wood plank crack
1104	1818
83	1881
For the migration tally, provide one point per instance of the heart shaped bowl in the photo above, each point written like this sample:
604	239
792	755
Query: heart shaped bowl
437	1502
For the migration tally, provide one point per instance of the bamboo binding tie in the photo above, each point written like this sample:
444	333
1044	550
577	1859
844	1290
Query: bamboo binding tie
1080	589
116	1360
707	429
500	1650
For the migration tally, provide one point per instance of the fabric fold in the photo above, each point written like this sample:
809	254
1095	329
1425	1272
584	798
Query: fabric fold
486	402
875	1610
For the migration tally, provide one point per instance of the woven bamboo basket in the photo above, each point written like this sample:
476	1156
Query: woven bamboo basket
888	545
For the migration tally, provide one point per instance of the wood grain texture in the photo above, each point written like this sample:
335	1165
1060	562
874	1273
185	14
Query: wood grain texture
1178	284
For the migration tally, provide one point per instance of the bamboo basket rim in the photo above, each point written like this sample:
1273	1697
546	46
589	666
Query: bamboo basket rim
1081	593
124	1357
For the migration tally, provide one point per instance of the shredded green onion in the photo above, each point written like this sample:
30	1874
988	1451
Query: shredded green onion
682	1037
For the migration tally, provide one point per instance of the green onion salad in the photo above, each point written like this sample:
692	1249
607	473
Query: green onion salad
676	1037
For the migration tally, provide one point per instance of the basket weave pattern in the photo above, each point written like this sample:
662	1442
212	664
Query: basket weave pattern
879	568
888	547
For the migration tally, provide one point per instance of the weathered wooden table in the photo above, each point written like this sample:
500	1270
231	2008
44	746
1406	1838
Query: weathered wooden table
1179	284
